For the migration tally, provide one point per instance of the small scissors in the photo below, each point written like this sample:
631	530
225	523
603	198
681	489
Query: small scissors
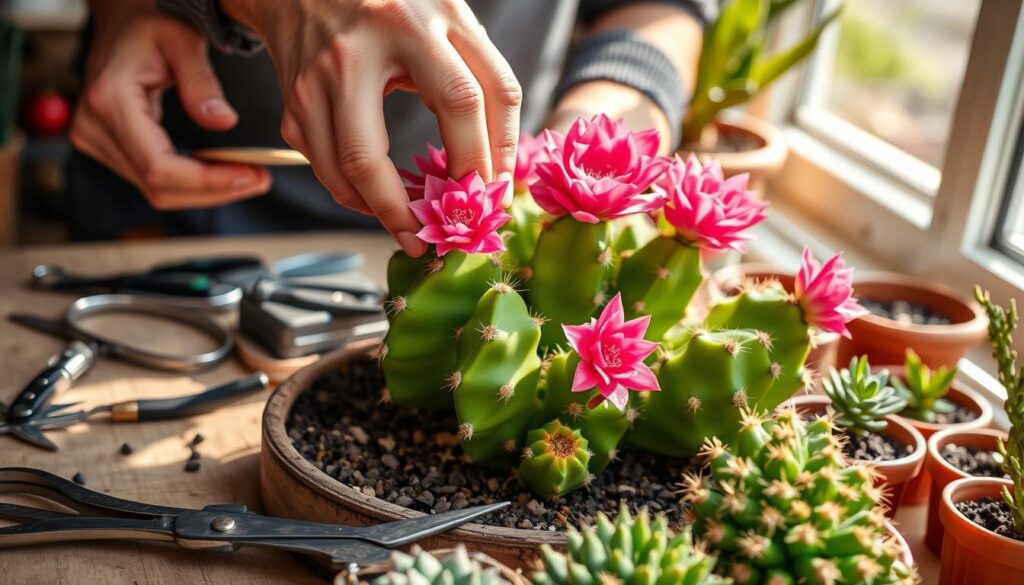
220	528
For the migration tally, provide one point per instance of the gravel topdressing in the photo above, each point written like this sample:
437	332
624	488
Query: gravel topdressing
992	514
412	458
973	461
874	447
905	312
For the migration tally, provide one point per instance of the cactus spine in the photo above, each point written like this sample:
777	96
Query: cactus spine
780	506
429	300
659	280
627	550
571	265
555	460
457	568
495	381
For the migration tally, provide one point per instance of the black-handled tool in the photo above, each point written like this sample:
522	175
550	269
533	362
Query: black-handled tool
192	289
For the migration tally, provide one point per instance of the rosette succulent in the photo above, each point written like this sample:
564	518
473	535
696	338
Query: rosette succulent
421	567
925	389
628	549
862	399
780	506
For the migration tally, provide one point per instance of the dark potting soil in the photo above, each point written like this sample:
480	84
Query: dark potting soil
960	414
973	461
873	447
725	142
991	514
905	312
412	458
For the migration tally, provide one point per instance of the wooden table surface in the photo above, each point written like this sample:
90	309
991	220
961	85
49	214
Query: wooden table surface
154	472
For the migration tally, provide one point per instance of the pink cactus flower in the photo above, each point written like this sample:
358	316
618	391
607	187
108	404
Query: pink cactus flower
612	353
530	152
434	165
462	215
825	293
706	208
599	171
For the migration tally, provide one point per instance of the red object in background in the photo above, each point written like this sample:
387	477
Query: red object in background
48	113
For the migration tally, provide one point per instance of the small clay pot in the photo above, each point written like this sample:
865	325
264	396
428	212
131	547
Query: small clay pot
943	473
970	553
727	281
919	487
905	553
762	163
894	474
885	341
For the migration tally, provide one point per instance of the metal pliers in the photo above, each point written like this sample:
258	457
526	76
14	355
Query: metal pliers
221	528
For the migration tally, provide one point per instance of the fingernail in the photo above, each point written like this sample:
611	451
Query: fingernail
243	181
506	199
216	107
412	245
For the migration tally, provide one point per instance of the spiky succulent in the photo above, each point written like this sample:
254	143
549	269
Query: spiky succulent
457	568
781	507
1001	325
925	389
628	549
862	399
555	460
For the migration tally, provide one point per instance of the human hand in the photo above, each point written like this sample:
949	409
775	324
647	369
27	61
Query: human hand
133	60
336	59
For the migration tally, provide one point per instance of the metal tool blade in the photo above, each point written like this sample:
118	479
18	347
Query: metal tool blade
54	327
31	435
53	409
402	532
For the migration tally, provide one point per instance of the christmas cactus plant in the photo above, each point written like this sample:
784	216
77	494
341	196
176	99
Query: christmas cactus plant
553	314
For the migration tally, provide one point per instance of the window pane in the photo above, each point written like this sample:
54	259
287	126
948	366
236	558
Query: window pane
1010	235
896	70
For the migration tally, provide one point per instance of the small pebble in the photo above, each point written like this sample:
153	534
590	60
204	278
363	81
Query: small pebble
192	466
198	439
126	449
79	478
194	455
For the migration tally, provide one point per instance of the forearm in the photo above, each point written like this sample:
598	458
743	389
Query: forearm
674	32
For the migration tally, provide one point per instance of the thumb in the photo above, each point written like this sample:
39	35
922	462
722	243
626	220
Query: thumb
198	87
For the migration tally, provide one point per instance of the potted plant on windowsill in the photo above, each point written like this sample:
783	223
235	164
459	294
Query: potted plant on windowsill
864	405
983	517
733	69
935	402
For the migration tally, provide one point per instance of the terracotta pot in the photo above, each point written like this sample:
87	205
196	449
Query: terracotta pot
905	553
727	281
762	162
970	553
943	473
885	341
919	487
894	474
290	486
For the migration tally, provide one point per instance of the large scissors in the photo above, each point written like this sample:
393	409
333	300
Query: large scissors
220	528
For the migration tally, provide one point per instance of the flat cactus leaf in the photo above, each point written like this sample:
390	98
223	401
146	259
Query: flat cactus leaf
659	280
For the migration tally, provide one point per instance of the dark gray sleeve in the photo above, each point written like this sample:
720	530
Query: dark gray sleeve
207	17
623	56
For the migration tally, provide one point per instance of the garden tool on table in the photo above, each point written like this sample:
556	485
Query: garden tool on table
219	528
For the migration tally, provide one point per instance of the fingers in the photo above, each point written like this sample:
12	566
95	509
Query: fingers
502	93
200	91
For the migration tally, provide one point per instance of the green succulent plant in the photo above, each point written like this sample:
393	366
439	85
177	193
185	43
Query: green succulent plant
862	399
1001	325
457	568
628	549
734	66
780	506
925	389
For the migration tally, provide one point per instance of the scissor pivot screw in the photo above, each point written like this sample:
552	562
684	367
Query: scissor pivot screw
223	524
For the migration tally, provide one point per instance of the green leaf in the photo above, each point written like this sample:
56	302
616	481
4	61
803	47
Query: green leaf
771	68
727	39
779	7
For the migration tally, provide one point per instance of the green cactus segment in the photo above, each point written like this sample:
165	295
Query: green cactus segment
495	381
925	389
659	280
555	460
603	426
633	232
521	232
703	387
781	506
424	315
458	568
862	399
627	550
767	307
571	265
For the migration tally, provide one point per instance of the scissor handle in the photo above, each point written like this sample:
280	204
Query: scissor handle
27	480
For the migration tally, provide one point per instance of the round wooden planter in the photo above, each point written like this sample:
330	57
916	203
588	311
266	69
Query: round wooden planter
292	487
971	554
894	474
943	473
919	487
885	341
763	162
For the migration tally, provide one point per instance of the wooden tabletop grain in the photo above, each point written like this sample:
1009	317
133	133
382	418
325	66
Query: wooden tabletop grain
155	471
